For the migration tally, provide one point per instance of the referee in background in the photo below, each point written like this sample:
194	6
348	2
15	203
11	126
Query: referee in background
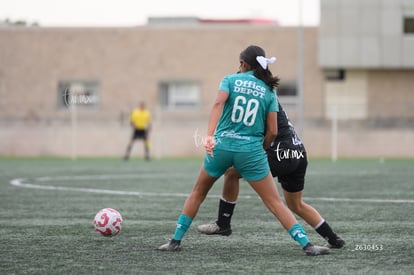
140	120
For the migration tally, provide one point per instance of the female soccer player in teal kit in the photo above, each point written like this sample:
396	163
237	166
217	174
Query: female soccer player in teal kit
245	106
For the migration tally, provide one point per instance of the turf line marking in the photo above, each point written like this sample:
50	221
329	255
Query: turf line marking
108	177
360	200
21	182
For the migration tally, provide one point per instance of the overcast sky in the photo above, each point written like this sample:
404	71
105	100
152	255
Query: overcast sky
135	12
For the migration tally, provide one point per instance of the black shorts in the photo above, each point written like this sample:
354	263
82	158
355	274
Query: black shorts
139	134
289	166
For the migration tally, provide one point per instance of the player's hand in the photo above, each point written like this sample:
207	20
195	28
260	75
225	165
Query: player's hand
209	145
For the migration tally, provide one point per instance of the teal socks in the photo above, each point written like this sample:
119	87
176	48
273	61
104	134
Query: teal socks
183	224
299	235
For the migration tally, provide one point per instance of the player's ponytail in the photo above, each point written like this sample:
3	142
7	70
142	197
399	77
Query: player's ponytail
255	57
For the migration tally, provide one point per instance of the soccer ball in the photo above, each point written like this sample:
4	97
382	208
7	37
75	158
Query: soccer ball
108	222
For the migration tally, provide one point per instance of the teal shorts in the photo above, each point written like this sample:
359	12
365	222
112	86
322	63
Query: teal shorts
253	166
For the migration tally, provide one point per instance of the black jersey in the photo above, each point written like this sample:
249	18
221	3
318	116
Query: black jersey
285	131
287	155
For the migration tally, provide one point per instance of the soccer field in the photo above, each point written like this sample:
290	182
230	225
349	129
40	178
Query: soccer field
48	206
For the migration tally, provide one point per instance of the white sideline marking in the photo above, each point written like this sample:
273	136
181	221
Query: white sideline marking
107	177
20	182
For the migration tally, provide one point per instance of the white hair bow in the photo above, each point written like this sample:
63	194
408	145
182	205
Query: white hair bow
263	61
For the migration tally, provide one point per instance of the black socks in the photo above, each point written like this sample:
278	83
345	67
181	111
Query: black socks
327	233
225	212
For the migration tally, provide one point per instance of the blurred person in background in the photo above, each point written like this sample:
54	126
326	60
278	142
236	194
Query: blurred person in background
140	120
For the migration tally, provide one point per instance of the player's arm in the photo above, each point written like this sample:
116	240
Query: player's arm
271	129
215	114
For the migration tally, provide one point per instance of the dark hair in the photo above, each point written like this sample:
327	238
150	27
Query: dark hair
249	55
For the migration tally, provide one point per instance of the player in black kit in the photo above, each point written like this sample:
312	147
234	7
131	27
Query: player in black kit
288	162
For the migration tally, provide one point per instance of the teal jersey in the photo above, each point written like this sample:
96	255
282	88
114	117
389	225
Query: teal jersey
242	123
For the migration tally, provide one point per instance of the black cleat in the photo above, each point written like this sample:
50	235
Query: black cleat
337	243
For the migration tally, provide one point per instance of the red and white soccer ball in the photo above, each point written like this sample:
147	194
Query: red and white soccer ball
108	222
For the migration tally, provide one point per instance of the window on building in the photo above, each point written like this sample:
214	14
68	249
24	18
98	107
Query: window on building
179	95
334	74
287	94
409	25
287	89
83	94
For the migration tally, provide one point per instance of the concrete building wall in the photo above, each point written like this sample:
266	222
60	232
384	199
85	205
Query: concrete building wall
365	34
130	63
365	54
